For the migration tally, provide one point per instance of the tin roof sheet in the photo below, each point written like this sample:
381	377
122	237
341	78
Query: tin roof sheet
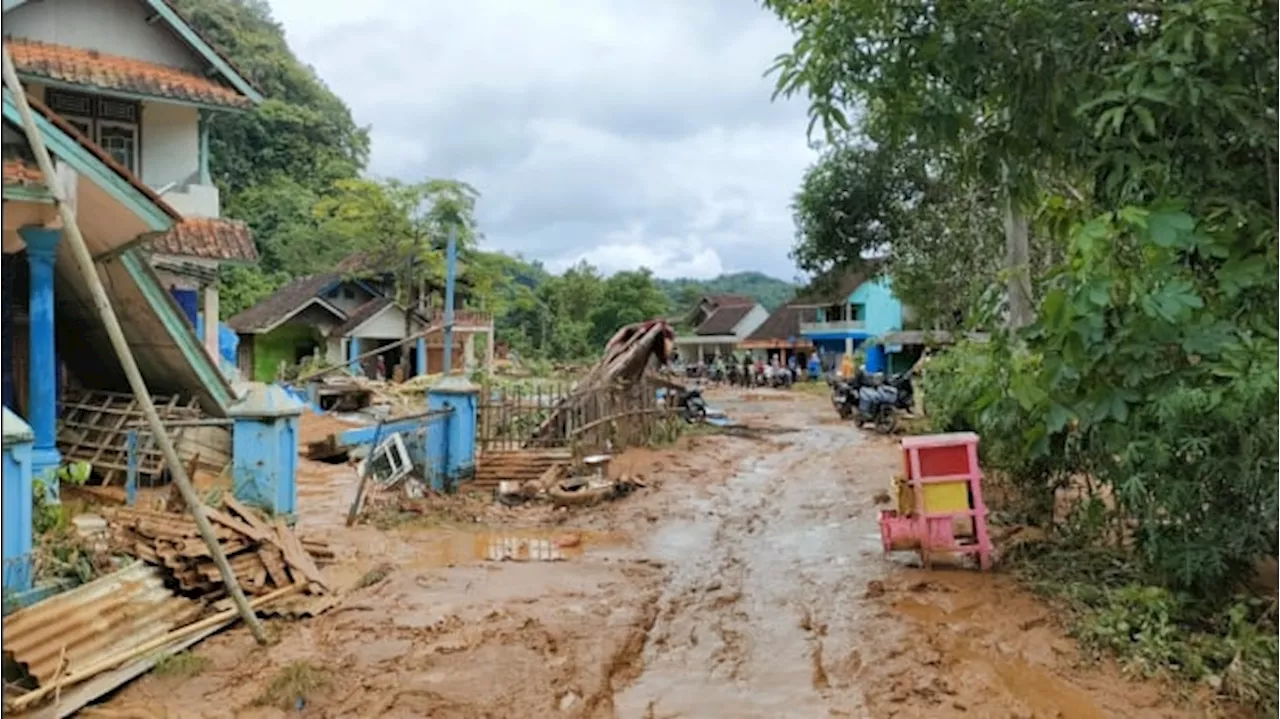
93	621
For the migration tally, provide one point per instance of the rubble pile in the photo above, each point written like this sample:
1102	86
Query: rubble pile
264	555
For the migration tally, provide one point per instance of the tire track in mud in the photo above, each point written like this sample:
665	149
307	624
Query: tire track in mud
762	584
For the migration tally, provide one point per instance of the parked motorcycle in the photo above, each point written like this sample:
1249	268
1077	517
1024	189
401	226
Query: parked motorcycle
693	408
881	404
844	392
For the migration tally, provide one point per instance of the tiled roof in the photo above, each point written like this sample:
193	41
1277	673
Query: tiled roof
783	324
281	304
20	173
208	238
362	314
724	320
114	72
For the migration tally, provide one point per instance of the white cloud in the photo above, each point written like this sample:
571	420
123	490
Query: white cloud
625	133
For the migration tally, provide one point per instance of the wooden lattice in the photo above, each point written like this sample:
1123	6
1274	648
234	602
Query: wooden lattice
94	428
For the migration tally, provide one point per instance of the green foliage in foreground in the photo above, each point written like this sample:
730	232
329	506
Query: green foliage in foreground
1230	646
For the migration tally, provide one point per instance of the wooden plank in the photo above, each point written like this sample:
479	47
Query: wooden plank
296	557
274	562
249	517
217	515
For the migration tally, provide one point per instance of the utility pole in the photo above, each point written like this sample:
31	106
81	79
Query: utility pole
450	270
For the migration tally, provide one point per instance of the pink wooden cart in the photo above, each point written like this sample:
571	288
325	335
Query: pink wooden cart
946	488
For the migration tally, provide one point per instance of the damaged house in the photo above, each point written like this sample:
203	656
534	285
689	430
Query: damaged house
343	315
121	91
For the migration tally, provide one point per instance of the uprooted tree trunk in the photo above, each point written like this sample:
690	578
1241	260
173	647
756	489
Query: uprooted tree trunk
626	357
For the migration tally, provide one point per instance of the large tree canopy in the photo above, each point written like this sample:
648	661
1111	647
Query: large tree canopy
1136	143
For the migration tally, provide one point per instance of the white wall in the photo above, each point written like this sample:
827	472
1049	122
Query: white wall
170	143
342	302
751	322
388	325
117	27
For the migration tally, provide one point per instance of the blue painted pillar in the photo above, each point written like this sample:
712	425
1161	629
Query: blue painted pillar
451	442
875	358
42	399
353	351
422	356
264	449
17	503
6	330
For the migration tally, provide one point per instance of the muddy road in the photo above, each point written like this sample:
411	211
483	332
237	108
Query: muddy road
746	580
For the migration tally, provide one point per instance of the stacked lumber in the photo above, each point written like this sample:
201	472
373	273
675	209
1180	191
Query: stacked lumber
264	555
516	466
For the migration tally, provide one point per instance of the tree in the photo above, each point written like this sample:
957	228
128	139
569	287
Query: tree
273	163
401	227
628	297
995	85
1137	141
939	240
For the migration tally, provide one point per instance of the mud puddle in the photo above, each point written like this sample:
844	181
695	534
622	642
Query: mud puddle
446	548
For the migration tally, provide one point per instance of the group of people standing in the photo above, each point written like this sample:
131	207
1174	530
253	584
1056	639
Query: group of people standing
752	371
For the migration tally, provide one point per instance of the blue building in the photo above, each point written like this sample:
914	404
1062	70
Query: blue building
860	313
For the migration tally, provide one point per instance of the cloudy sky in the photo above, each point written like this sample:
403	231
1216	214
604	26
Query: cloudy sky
623	132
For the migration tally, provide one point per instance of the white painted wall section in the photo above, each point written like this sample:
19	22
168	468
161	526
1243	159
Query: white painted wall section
170	144
342	301
751	322
386	325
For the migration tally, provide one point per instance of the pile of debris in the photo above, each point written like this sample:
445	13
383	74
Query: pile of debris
265	556
79	645
569	484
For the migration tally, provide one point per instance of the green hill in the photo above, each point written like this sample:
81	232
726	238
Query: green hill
768	291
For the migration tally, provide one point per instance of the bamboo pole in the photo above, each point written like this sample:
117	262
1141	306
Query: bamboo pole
19	703
142	395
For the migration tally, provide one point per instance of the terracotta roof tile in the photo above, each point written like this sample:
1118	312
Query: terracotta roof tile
114	72
208	238
20	173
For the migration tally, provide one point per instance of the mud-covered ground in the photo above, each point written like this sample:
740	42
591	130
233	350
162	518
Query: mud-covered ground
746	580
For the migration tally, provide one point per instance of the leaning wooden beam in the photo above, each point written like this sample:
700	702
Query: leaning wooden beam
107	314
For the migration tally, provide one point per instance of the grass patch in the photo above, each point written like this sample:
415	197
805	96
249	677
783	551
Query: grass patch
182	665
1229	644
293	685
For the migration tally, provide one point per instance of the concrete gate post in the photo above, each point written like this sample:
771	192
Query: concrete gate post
264	449
18	498
451	445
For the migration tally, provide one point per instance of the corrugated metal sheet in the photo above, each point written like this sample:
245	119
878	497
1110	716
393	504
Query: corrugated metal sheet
93	621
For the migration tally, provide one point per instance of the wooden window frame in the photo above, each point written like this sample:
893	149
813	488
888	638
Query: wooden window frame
97	119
